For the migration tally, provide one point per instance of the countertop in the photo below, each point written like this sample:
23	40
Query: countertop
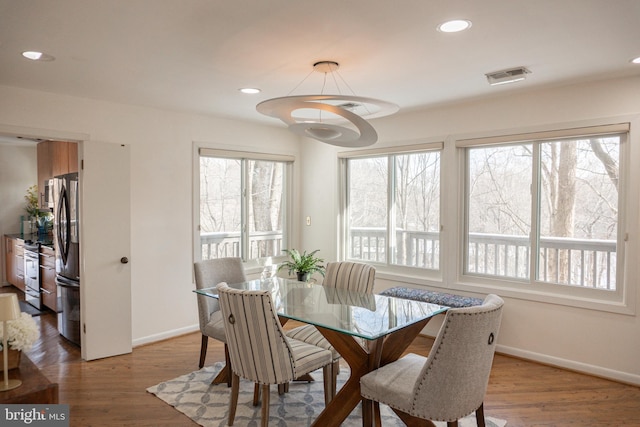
43	239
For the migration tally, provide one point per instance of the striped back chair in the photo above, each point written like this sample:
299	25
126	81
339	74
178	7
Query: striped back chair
354	276
259	350
340	275
208	274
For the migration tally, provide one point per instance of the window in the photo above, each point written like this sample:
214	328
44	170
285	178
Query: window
243	204
393	208
545	210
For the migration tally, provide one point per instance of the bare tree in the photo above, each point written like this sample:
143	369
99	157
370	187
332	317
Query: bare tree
562	188
266	197
219	182
610	164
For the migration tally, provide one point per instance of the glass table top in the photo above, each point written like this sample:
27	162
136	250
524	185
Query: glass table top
363	315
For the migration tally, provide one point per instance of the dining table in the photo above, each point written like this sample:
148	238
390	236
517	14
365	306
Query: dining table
368	330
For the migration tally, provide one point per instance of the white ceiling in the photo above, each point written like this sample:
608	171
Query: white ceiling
194	55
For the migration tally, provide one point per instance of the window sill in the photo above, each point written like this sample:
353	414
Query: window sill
589	299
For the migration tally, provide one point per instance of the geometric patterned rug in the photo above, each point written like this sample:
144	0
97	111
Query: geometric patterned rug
206	404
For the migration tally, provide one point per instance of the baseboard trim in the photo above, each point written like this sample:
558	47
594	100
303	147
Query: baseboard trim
571	365
164	335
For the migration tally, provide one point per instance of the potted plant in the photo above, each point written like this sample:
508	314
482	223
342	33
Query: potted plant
303	264
22	333
31	198
40	219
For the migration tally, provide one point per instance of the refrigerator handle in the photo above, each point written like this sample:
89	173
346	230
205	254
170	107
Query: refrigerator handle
64	235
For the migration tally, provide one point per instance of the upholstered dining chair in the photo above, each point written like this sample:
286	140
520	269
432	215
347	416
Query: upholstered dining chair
452	381
208	274
341	275
260	351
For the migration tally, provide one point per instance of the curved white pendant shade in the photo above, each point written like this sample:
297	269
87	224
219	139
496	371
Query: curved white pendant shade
328	131
320	131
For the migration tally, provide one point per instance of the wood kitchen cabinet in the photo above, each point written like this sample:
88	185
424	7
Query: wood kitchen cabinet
73	157
55	158
59	152
48	277
44	162
14	261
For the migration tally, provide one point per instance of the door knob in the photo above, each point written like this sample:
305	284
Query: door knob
124	260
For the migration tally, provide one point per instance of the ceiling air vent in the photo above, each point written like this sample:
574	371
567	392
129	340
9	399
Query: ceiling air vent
507	76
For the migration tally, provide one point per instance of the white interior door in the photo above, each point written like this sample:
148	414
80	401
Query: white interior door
105	225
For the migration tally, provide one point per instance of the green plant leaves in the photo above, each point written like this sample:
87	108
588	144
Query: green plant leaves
303	262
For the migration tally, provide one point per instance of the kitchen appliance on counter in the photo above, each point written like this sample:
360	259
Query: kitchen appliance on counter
67	249
48	194
32	273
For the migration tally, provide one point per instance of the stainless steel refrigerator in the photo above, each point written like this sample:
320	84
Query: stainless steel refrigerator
67	245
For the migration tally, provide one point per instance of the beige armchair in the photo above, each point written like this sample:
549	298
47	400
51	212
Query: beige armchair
208	274
452	381
340	275
259	350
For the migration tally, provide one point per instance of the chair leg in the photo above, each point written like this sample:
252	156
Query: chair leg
256	394
233	402
367	413
452	423
327	377
265	405
480	415
227	362
377	419
203	350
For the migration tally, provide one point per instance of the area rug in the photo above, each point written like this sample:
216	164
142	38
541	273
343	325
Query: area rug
206	404
29	309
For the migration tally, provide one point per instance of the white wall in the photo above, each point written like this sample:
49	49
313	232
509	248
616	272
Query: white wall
319	199
161	188
599	342
161	198
18	172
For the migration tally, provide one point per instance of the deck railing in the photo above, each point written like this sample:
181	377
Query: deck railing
222	244
579	262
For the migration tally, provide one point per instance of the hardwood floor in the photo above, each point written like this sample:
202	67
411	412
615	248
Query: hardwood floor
111	391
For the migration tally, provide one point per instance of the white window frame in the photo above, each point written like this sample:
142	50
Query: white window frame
395	269
199	151
622	300
452	212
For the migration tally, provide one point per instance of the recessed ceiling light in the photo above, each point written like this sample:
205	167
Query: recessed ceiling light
250	90
32	55
635	60
454	26
37	56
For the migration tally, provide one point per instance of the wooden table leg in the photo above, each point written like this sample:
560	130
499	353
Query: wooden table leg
372	415
223	376
397	342
348	396
362	361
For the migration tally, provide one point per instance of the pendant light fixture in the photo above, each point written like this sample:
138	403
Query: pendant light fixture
334	119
